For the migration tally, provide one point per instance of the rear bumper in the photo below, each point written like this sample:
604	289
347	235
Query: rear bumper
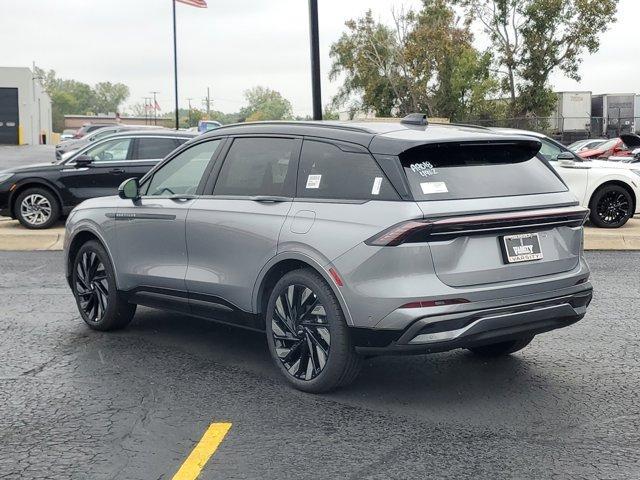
475	327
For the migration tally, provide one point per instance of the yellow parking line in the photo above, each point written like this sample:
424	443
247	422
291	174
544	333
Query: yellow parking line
202	452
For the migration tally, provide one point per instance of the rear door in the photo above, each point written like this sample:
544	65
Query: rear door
482	192
233	231
102	177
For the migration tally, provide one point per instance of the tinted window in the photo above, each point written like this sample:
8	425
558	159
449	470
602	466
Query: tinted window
328	172
444	172
256	166
183	173
154	147
110	151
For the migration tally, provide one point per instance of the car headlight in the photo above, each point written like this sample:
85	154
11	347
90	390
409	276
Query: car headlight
5	176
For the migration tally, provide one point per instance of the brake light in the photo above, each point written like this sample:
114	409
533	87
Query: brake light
434	303
397	234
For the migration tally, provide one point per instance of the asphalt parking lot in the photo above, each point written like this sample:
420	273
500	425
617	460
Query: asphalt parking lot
131	405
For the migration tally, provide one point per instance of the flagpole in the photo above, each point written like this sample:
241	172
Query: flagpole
175	62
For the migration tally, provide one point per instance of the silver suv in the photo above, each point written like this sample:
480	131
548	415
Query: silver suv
341	241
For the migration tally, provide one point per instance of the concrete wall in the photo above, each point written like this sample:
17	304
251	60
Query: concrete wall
34	104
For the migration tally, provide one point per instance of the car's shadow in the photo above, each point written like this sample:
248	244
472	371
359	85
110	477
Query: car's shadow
456	384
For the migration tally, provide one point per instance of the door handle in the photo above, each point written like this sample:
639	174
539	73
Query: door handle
182	197
116	170
269	199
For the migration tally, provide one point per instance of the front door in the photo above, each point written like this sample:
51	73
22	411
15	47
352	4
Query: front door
8	116
151	256
232	233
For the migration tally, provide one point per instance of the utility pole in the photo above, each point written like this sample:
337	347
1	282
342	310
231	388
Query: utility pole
189	118
147	104
155	110
208	103
315	59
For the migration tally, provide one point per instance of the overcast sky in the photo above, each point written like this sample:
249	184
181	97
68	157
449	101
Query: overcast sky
232	46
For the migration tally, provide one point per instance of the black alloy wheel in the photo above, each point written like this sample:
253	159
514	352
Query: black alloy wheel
307	333
91	286
101	305
301	332
611	207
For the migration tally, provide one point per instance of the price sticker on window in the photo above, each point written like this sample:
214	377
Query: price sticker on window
313	181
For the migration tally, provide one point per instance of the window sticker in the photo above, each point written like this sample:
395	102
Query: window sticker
377	183
433	187
313	181
425	169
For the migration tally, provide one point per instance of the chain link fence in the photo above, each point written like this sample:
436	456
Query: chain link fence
566	129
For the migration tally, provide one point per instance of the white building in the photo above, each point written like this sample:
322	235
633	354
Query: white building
25	108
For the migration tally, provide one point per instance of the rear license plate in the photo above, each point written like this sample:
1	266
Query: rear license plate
524	247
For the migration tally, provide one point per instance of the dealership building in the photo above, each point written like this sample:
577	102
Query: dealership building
25	108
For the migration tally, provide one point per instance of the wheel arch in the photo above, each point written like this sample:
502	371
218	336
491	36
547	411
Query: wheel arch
282	264
78	238
619	183
32	183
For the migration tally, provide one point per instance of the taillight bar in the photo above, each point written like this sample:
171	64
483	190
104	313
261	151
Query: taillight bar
451	227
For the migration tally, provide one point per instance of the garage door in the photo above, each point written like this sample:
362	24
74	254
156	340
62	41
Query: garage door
9	116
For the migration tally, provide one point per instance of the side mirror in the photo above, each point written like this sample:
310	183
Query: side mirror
566	158
83	161
129	189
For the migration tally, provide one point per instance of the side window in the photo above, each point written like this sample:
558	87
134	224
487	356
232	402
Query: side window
256	166
183	173
110	151
327	172
550	151
154	148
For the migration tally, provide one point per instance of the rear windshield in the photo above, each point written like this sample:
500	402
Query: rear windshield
462	171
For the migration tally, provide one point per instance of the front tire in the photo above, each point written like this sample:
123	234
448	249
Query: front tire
501	349
307	335
611	207
37	208
93	283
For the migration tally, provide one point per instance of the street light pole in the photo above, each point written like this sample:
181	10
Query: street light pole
175	62
315	60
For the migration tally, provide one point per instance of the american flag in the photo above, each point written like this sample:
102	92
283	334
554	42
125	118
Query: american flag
194	3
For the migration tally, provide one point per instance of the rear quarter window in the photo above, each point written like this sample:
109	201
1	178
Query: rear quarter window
464	171
328	172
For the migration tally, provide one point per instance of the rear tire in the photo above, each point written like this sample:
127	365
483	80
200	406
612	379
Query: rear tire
611	207
100	304
307	335
37	208
502	348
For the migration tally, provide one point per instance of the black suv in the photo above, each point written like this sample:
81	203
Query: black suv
38	195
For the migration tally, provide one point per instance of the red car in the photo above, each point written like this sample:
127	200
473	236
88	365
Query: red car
614	147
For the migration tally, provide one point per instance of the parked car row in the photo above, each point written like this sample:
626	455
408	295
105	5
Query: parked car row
38	195
625	148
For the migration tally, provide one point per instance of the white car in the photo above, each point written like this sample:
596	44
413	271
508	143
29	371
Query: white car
610	189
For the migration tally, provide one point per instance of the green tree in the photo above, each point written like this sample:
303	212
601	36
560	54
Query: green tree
265	104
532	38
109	96
425	62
